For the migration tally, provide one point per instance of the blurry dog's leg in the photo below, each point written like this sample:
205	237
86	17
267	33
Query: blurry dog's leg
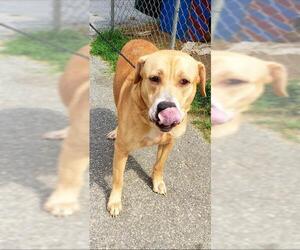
114	205
74	157
56	134
158	168
73	162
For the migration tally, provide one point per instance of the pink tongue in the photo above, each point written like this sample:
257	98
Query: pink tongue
169	116
218	116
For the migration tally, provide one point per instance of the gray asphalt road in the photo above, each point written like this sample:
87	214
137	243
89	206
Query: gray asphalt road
148	220
29	107
255	191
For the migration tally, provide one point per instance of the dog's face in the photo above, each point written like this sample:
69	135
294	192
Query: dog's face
168	85
238	80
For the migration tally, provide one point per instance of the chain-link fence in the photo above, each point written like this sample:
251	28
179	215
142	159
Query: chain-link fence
168	23
70	14
269	29
180	24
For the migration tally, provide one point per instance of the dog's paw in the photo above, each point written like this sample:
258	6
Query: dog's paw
56	135
61	209
114	208
159	187
59	205
112	135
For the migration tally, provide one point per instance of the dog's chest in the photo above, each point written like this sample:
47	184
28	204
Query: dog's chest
154	136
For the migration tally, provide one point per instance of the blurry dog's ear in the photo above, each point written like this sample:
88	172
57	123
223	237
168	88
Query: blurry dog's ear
279	78
202	75
138	68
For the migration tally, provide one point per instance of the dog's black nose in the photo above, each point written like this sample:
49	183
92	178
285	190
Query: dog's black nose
163	105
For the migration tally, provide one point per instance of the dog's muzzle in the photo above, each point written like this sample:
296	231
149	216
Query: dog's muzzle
167	116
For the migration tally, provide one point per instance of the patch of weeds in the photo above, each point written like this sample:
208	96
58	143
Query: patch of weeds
200	112
279	113
101	48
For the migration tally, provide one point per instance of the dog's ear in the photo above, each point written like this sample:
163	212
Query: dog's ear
138	67
278	74
202	76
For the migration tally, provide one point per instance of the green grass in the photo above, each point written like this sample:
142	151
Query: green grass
200	110
69	39
279	113
100	48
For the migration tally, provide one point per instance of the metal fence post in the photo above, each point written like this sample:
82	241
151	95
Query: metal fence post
217	6
112	14
174	26
56	15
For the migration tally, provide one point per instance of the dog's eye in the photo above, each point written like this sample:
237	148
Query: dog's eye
184	81
155	79
234	81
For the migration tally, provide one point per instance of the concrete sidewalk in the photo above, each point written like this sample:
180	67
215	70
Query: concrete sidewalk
148	220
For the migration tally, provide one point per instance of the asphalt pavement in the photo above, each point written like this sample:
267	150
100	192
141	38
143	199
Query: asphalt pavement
148	220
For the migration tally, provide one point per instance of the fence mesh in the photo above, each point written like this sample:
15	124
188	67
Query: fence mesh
74	14
154	20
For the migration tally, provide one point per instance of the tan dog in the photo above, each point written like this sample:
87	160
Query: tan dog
237	81
74	155
152	103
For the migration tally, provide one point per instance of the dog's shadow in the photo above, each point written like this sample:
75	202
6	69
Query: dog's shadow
102	121
27	160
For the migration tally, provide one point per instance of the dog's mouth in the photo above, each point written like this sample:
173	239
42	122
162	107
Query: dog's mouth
165	128
167	119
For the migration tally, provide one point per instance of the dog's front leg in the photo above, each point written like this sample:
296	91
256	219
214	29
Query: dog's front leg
158	168
114	205
73	162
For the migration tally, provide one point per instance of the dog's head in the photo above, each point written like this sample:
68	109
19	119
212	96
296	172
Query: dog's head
168	85
238	80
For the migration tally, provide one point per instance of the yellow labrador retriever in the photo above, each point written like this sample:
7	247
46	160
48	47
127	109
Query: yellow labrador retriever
152	102
237	81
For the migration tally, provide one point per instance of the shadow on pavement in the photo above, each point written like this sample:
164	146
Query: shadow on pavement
26	158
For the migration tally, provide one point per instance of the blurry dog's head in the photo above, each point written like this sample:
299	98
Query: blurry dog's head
169	81
237	81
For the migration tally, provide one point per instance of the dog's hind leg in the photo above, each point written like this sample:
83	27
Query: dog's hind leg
112	135
56	134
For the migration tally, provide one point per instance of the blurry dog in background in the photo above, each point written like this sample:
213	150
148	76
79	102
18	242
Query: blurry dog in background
74	155
237	81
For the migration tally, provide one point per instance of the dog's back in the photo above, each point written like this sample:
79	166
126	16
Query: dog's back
133	50
75	74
